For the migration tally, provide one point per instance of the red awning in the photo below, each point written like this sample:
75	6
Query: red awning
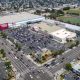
3	26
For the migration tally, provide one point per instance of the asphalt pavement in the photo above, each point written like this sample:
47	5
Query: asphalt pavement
29	70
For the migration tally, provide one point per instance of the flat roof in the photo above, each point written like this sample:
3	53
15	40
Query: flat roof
46	26
18	17
63	33
69	26
72	27
64	25
77	66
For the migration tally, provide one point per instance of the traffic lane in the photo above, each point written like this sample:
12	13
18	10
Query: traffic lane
24	58
57	67
73	51
70	54
60	63
17	63
37	75
12	58
18	55
25	61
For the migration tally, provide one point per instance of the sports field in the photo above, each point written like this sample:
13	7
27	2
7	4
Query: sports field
71	16
72	20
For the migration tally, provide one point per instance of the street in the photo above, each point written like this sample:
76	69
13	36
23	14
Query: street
25	67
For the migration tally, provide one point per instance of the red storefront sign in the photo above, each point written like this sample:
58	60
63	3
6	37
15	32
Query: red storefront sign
3	26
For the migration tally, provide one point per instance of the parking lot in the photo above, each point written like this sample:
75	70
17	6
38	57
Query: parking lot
35	40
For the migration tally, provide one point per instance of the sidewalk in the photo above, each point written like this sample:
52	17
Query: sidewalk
29	57
58	73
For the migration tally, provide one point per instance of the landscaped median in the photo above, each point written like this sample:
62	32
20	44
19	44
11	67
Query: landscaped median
41	58
8	66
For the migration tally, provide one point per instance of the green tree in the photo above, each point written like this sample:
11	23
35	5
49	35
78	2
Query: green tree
58	52
18	46
2	52
47	10
8	64
3	34
52	16
68	66
60	12
38	12
39	58
52	11
54	53
66	8
77	43
43	58
72	45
